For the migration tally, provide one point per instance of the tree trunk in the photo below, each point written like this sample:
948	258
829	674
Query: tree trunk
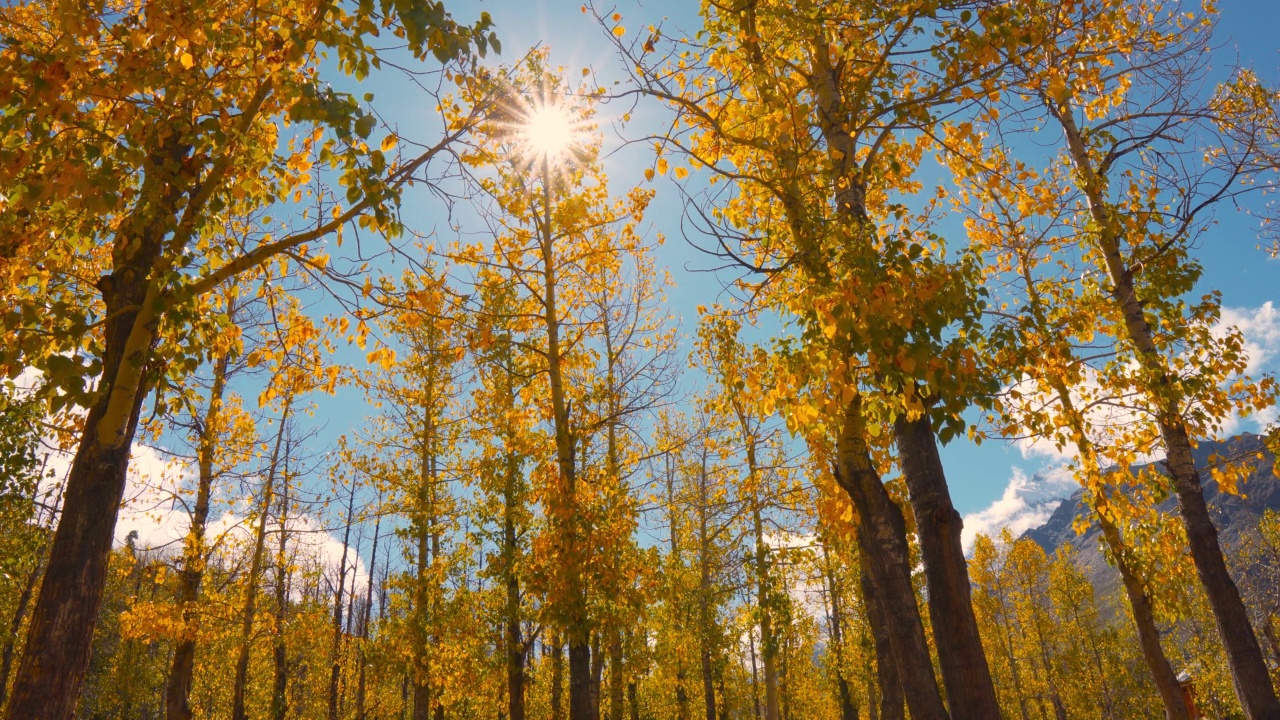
279	651
557	678
580	705
15	625
1166	680
848	710
1249	672
60	636
755	675
882	540
514	639
335	649
178	688
891	706
615	676
708	682
255	569
633	700
364	625
965	674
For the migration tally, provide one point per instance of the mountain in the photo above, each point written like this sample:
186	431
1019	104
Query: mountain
1233	514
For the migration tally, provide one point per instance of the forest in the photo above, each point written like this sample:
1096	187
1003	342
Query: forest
350	372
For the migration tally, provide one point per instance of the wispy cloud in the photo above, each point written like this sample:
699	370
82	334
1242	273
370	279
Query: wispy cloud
1026	502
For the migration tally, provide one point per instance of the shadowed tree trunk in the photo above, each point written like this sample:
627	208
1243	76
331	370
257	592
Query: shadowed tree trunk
279	651
965	674
882	540
848	709
887	680
60	635
615	675
557	678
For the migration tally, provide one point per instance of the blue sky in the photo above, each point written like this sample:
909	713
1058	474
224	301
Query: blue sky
991	484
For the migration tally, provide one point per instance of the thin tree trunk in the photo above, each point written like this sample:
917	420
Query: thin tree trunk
255	569
1248	667
891	706
633	700
704	594
1139	602
279	651
335	649
755	675
597	674
557	678
615	675
15	625
364	629
178	688
1166	680
425	526
848	710
516	649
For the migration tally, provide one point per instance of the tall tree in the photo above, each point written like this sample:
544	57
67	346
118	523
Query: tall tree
554	223
131	133
1119	84
865	280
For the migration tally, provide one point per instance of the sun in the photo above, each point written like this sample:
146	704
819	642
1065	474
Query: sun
549	131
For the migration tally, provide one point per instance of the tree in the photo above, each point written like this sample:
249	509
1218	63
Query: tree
506	446
219	438
551	230
414	438
1115	80
130	135
877	305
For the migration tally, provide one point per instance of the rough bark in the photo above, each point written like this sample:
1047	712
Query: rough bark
60	635
891	705
581	706
965	674
882	540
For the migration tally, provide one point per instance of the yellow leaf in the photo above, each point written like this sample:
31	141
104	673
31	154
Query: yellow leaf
681	173
186	60
648	173
619	31
388	143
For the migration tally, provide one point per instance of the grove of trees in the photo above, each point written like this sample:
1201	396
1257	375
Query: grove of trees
550	491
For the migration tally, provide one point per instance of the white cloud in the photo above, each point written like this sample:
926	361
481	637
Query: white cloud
1260	327
1026	502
